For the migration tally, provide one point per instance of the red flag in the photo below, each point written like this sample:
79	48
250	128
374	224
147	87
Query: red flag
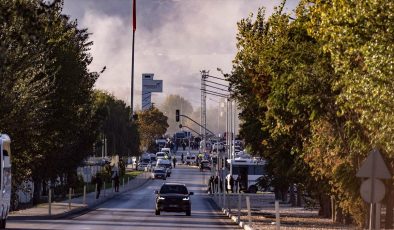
134	17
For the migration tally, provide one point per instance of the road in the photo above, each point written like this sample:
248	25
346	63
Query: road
135	210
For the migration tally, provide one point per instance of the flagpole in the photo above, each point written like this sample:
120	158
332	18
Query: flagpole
132	63
132	76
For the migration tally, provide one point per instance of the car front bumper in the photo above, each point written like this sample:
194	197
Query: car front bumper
173	207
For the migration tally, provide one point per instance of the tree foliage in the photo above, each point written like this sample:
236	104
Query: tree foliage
318	91
46	88
152	124
112	118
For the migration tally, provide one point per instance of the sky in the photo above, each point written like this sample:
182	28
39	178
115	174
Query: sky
174	39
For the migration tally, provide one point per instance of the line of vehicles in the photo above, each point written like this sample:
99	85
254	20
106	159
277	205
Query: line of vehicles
244	169
159	164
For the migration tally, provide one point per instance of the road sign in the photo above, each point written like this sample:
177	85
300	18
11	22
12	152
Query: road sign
152	86
366	191
374	167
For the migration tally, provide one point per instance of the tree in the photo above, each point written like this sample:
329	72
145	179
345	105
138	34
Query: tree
172	103
357	35
289	76
46	90
152	124
112	121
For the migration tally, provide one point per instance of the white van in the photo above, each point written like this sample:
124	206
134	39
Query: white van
191	159
5	175
168	152
161	155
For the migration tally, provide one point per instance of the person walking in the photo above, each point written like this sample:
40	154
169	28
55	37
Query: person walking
174	161
210	184
182	158
116	181
99	184
232	183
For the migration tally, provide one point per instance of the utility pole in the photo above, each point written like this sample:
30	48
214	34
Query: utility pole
204	76
132	61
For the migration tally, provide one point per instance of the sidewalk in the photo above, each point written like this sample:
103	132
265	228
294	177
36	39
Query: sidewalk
64	208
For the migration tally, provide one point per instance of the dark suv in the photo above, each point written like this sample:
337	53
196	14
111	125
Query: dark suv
173	197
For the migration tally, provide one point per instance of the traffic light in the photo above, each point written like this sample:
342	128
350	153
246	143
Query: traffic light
177	115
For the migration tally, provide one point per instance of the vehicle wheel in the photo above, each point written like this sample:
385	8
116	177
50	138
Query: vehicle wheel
252	189
188	212
157	212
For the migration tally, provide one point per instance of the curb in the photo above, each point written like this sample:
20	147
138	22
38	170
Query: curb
80	210
242	224
87	208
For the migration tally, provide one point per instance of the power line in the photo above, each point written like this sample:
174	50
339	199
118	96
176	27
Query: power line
226	90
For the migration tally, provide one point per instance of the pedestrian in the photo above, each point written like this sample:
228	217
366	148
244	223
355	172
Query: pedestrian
99	184
210	184
174	161
216	182
232	183
116	181
182	158
183	146
226	184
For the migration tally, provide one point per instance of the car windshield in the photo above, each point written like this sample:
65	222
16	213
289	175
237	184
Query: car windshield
146	161
159	171
163	165
175	189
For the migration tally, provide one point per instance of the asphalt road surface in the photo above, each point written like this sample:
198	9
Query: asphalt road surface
135	210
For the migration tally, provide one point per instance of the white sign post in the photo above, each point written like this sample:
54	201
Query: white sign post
372	190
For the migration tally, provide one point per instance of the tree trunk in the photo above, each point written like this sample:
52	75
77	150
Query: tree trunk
339	218
292	196
299	196
389	207
37	191
284	194
325	206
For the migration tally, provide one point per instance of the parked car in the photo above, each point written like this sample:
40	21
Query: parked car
173	197
159	173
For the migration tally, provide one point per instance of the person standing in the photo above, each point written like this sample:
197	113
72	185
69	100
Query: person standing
99	184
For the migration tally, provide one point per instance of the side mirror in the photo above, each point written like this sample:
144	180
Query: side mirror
191	193
156	192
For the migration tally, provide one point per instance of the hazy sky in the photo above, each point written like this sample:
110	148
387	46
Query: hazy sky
175	39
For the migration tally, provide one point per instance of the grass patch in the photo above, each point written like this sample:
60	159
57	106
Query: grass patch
133	174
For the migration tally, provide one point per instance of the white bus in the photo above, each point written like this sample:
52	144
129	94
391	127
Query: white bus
5	175
247	171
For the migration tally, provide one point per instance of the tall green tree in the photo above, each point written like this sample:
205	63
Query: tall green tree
358	35
46	90
291	80
152	124
112	118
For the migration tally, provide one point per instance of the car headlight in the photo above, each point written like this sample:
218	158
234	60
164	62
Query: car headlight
161	198
186	198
